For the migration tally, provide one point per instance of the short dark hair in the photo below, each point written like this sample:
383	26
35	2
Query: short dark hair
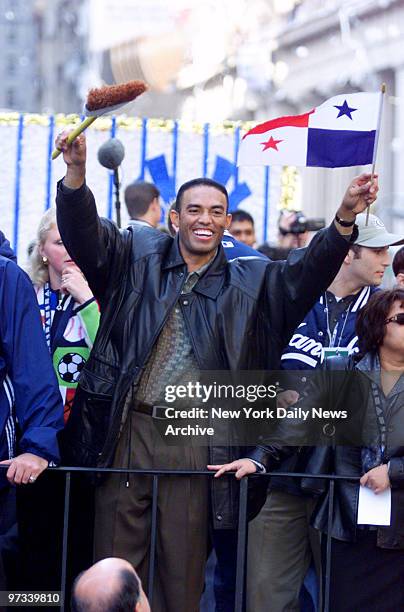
138	197
170	226
123	599
398	262
242	215
370	322
357	250
207	182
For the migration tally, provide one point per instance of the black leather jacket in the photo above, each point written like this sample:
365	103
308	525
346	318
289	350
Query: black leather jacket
354	394
239	316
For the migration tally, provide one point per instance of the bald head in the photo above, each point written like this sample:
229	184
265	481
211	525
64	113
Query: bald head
110	585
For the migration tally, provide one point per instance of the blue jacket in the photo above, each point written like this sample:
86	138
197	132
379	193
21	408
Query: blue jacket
5	248
234	249
28	386
304	350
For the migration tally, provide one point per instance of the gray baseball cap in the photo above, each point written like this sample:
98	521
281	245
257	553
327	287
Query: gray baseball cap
375	235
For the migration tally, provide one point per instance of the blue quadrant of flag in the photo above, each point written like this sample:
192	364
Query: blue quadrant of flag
338	148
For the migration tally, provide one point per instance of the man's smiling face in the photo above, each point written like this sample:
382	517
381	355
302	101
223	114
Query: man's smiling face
202	219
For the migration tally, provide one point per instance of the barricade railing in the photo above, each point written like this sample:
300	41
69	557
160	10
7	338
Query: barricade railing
242	526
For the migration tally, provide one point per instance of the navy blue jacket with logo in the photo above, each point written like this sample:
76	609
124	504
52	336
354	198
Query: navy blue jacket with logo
304	351
29	392
234	249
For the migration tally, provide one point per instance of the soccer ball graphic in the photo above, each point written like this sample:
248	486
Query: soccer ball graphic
70	366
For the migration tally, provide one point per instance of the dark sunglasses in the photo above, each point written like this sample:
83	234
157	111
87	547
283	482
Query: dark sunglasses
398	318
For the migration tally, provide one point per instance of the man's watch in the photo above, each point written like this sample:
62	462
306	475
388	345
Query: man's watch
344	223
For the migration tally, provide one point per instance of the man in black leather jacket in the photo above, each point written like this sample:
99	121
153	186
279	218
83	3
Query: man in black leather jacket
229	315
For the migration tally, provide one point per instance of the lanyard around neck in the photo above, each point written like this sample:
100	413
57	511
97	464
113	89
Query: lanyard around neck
332	337
65	307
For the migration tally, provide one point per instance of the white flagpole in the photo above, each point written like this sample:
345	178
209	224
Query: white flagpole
379	120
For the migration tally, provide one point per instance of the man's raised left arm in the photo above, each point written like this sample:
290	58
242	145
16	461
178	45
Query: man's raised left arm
307	273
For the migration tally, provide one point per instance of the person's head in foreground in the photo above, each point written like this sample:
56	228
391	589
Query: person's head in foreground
110	585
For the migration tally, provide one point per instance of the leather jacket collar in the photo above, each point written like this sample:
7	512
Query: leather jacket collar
212	281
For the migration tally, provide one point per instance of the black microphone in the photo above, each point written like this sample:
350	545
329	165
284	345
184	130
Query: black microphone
111	154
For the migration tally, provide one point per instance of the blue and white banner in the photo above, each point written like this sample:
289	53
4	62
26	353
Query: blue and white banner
166	153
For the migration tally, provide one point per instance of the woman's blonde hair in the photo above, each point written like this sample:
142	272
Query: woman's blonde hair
38	269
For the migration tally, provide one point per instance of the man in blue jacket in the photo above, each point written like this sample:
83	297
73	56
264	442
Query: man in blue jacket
28	388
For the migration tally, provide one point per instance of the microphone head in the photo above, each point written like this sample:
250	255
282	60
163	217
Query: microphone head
111	153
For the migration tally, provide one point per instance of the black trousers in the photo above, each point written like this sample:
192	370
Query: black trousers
40	512
365	577
8	538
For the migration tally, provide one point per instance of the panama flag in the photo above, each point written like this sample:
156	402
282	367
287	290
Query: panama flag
340	132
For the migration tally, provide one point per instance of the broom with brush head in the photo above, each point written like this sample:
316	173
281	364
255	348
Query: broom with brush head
104	100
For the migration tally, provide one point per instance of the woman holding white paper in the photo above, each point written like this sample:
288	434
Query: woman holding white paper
367	560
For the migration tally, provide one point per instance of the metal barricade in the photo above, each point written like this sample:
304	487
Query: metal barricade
241	529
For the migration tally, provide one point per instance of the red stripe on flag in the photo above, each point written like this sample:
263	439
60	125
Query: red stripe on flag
293	121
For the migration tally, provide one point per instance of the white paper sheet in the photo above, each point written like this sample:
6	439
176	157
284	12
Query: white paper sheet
374	509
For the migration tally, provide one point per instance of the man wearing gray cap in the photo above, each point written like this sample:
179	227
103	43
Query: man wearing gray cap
281	542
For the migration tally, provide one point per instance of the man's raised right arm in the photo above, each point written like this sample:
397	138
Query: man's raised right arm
93	243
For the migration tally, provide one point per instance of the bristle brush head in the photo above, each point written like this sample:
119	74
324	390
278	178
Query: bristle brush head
112	95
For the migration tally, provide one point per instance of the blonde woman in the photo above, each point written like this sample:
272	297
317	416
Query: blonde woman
70	318
70	314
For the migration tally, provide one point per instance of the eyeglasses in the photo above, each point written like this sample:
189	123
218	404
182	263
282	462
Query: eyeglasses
398	318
